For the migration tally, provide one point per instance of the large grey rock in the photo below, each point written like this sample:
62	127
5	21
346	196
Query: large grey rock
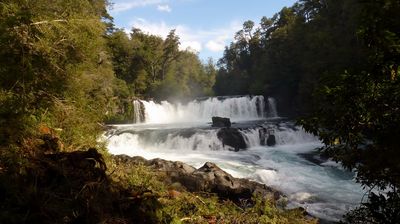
221	122
271	141
232	137
208	178
262	133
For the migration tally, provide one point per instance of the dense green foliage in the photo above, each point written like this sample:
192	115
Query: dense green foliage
336	62
49	70
357	114
285	56
156	68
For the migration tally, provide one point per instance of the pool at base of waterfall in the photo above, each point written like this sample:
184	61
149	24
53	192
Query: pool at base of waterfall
292	166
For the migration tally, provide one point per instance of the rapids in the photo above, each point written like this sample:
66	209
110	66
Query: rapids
182	132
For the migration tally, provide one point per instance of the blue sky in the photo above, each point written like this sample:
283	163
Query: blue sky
205	26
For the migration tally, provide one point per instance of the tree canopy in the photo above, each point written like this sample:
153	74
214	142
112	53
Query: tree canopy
54	67
154	67
285	56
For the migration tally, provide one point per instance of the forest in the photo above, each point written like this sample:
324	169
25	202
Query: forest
66	71
334	65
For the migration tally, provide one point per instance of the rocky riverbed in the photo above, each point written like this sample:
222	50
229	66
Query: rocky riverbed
208	178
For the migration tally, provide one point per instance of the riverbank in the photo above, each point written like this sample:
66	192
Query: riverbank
92	187
209	179
207	194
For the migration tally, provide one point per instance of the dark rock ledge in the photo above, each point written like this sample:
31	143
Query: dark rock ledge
209	178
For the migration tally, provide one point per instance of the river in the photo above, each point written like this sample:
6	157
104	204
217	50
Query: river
182	132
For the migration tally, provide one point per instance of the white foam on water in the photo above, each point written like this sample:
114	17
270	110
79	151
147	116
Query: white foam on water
301	197
325	191
266	176
289	136
252	137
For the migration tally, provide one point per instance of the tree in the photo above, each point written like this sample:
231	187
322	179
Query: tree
289	53
121	50
170	51
335	62
154	67
53	68
186	78
357	115
149	51
208	79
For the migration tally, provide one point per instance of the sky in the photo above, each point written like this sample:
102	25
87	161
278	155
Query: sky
204	26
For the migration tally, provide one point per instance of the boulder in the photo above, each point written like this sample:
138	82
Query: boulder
232	137
221	122
271	141
209	178
262	132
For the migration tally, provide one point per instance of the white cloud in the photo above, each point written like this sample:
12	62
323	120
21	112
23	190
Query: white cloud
120	6
160	29
191	45
215	46
213	40
164	8
216	39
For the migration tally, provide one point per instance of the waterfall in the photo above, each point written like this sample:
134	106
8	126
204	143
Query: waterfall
180	132
236	108
201	139
138	111
272	111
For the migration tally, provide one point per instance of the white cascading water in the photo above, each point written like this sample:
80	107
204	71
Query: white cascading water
272	111
322	187
202	140
137	110
236	108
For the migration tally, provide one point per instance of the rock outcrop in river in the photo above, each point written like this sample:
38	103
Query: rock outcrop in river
232	137
208	178
221	122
